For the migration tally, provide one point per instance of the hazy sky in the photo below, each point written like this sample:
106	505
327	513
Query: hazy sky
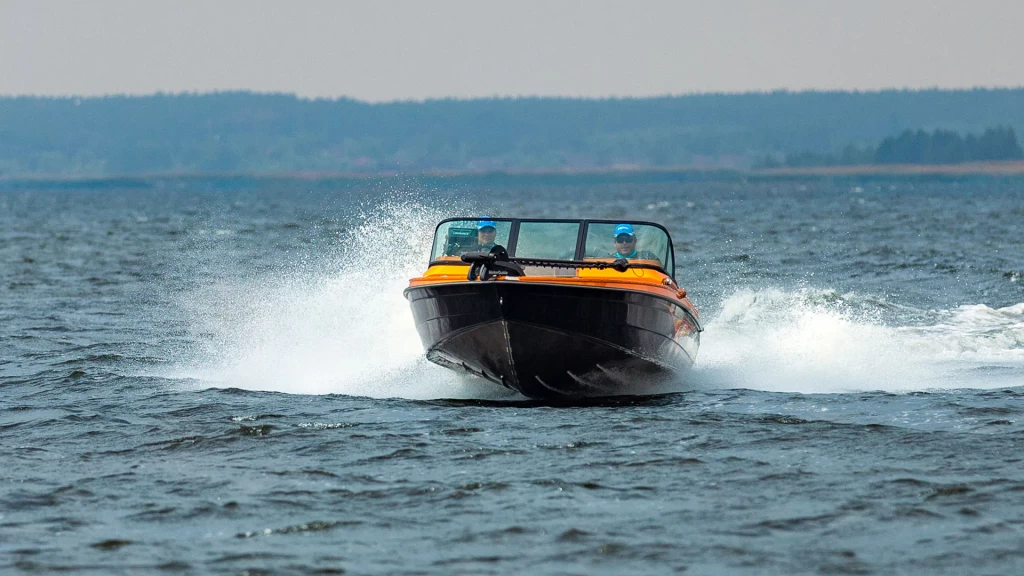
387	50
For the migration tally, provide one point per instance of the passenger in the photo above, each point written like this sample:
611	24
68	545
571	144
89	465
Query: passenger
486	230
625	245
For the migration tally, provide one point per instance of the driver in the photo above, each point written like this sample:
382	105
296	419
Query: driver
625	245
486	230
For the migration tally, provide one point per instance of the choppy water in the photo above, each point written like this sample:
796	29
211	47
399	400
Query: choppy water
203	378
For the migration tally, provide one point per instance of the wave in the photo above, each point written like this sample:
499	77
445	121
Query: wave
340	325
819	341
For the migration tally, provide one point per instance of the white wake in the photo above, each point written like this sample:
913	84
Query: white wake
339	327
823	341
342	326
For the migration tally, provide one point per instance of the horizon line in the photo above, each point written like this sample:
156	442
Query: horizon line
679	95
1014	168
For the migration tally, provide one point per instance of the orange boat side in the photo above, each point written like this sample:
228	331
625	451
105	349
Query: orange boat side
636	279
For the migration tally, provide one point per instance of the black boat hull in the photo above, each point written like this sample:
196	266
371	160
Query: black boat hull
556	341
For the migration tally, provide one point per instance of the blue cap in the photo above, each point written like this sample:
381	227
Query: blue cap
485	223
623	229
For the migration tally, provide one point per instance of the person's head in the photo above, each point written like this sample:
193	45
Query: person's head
486	231
625	239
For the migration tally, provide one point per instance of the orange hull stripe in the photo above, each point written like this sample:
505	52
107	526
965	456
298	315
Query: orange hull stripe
642	280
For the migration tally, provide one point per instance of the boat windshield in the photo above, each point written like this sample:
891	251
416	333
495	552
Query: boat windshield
457	237
554	240
632	241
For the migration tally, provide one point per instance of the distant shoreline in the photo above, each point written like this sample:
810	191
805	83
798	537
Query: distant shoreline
702	173
695	136
1009	168
327	175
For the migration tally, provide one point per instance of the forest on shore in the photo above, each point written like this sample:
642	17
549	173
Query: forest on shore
916	147
241	132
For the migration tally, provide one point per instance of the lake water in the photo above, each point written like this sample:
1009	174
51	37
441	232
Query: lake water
223	377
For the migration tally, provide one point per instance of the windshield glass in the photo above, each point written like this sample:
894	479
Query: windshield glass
458	237
554	240
631	241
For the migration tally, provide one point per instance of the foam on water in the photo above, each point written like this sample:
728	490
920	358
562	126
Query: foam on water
343	326
345	329
819	341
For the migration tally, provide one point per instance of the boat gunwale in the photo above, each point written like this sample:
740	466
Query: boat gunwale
683	303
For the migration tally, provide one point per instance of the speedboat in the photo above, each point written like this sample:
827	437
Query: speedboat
556	309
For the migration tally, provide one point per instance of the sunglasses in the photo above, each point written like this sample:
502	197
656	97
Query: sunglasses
624	239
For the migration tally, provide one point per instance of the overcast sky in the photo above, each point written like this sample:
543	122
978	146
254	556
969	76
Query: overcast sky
390	50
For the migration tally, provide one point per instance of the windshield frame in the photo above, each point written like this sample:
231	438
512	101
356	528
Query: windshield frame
578	253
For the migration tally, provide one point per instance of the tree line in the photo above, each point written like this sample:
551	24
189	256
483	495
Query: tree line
948	147
917	147
273	133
